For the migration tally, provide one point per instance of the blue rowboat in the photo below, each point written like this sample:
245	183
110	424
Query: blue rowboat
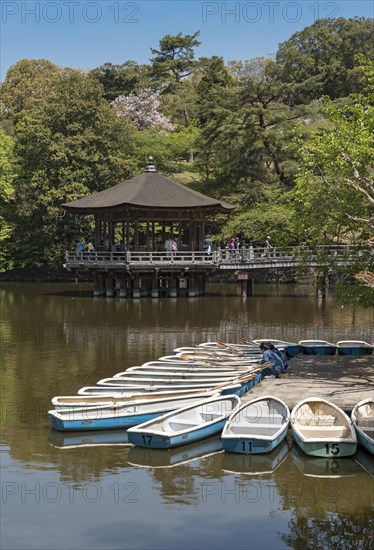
69	402
363	421
131	390
255	464
317	347
123	416
354	347
167	458
322	429
257	427
185	425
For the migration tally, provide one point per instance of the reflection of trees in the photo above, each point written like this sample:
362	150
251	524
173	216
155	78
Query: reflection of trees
335	531
178	484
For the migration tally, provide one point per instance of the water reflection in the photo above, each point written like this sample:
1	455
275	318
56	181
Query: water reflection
54	342
256	464
323	467
161	458
72	440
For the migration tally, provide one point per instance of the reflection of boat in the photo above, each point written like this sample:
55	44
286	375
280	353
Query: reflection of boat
320	428
257	427
120	416
163	458
317	347
88	439
185	425
365	460
363	421
354	347
257	464
315	466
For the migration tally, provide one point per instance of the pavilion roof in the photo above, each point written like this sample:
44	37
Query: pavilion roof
148	190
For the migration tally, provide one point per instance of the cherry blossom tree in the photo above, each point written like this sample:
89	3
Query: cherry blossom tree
142	110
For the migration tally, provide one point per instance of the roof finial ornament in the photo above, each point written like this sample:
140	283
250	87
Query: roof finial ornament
151	167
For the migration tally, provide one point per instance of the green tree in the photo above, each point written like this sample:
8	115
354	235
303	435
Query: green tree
70	145
26	83
174	60
320	59
129	77
171	65
334	195
7	174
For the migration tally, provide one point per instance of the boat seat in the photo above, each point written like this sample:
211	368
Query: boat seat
272	420
366	423
180	425
318	420
258	429
325	432
209	417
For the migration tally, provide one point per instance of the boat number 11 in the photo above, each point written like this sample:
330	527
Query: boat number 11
246	446
332	448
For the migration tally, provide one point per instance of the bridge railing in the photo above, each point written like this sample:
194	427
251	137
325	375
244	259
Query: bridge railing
245	255
99	258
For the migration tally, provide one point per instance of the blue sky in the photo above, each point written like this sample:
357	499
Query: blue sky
85	34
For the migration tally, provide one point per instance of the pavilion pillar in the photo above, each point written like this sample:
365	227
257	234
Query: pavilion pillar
123	286
97	283
155	285
110	286
191	292
172	286
136	287
102	284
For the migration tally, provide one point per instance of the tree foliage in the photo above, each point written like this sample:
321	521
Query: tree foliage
288	139
70	145
334	195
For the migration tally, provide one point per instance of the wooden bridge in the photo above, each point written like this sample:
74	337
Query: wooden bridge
155	273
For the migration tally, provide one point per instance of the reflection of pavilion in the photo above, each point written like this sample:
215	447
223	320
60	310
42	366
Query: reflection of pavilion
140	215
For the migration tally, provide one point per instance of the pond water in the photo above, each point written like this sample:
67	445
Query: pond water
94	491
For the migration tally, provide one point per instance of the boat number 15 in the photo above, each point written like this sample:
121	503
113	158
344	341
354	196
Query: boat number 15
147	439
332	448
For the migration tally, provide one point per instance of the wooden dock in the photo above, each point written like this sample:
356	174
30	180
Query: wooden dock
344	380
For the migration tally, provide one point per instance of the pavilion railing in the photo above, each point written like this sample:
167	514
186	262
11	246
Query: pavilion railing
245	256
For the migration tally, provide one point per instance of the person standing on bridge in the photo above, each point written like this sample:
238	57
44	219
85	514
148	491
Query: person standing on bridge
268	247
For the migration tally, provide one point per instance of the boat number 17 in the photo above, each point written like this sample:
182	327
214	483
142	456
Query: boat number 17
332	448
147	439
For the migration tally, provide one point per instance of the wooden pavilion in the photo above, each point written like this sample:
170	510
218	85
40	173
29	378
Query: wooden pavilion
137	217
